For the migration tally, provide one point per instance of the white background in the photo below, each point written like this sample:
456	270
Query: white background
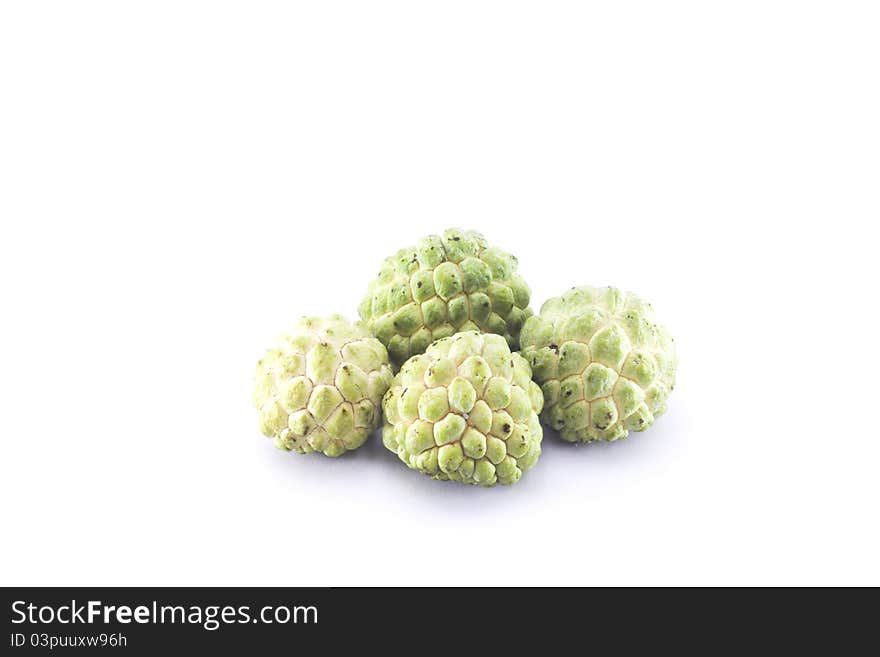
180	180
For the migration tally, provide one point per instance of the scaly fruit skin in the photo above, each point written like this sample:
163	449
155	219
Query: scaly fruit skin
467	410
605	366
319	389
441	286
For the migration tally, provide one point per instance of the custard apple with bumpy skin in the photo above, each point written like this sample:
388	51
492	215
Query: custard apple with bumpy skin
441	286
320	388
467	410
604	365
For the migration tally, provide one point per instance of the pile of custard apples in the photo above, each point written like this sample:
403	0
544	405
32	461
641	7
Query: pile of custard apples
453	363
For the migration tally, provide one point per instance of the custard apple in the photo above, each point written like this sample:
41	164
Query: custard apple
467	410
441	286
320	388
604	365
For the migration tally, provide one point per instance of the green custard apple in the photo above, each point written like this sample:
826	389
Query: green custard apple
604	365
466	410
445	285
320	388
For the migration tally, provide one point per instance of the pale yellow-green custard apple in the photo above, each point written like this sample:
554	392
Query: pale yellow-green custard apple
320	388
467	410
441	286
604	365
